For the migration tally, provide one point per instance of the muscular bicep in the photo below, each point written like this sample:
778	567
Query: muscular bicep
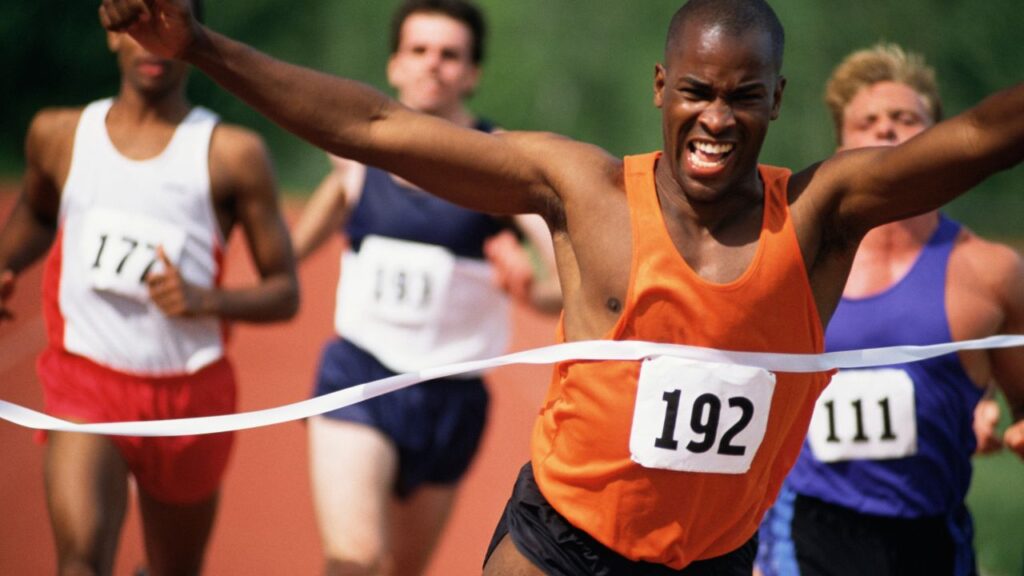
1008	363
32	224
874	186
499	173
246	189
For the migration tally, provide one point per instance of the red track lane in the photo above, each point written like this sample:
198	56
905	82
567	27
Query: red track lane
265	525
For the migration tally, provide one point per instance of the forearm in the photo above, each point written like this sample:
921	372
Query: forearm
330	112
24	240
999	122
274	299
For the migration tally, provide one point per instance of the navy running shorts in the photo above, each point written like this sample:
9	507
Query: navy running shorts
558	548
436	426
834	540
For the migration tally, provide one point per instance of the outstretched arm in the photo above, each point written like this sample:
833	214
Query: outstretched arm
345	117
873	186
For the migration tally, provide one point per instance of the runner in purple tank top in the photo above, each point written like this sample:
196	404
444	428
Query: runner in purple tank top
880	485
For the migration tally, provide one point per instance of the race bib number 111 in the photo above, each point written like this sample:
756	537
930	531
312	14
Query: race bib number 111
699	416
865	414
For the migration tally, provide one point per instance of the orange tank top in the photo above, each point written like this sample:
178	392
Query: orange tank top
581	441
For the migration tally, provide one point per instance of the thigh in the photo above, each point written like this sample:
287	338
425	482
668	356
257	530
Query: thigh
86	492
175	534
417	523
507	560
353	473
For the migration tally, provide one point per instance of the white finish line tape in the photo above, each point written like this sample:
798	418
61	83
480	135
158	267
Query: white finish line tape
585	350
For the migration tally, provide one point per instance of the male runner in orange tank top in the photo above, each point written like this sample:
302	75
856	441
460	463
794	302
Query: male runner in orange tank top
720	216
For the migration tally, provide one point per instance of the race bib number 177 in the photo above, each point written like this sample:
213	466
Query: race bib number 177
699	416
119	250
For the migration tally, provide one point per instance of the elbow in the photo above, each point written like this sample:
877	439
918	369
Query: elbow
290	299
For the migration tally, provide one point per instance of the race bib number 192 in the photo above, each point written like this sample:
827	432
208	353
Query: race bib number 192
699	416
119	250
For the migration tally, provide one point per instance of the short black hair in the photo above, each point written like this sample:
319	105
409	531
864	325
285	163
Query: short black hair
737	17
459	10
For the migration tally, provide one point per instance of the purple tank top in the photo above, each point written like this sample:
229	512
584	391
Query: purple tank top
935	479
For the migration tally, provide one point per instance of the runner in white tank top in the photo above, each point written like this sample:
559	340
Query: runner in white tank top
136	196
114	213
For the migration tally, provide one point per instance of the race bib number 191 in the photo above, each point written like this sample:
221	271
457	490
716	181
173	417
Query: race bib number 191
119	250
699	416
402	282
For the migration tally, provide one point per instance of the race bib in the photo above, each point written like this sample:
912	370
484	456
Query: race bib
865	415
402	282
119	250
696	416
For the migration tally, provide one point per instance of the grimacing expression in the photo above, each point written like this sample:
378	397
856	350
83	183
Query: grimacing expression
433	69
152	76
883	114
718	92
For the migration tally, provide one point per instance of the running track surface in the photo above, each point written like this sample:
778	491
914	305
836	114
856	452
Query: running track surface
265	524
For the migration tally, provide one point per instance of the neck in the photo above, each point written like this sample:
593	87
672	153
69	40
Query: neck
887	253
705	207
910	234
171	107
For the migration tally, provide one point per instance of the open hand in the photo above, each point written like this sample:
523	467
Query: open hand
167	289
986	419
164	27
1014	438
513	271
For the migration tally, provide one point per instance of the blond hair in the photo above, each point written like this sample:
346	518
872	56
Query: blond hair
881	63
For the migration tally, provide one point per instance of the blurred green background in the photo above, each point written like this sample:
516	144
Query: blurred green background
581	68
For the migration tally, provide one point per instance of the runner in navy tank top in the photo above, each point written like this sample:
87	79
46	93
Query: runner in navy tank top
424	282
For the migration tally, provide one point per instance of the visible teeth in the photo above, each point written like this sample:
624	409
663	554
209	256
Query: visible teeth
713	148
698	162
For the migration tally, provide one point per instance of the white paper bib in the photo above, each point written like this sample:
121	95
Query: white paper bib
865	414
695	416
119	250
402	282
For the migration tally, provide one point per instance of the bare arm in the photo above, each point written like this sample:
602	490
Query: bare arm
32	224
329	206
545	291
1008	363
873	186
345	117
243	181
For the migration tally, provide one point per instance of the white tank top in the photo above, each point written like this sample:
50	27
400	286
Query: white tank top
416	306
114	211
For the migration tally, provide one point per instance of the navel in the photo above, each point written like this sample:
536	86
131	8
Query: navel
614	305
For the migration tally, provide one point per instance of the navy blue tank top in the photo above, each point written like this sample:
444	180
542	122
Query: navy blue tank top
933	481
393	210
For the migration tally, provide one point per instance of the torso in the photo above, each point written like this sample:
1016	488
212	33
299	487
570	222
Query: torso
114	210
916	460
